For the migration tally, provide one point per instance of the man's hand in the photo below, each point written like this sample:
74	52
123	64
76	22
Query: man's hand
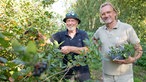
126	61
65	49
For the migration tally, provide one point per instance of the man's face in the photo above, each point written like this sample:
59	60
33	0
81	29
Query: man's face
108	15
71	24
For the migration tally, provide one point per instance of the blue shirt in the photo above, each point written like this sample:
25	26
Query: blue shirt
77	40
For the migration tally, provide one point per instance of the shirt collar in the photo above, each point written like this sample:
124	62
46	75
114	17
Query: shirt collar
116	26
66	32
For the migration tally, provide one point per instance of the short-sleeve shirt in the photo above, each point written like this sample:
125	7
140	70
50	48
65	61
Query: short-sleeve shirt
65	40
122	33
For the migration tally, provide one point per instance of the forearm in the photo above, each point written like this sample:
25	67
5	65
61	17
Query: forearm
138	51
78	50
73	49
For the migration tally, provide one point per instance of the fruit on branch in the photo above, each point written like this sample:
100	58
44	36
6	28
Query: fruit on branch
39	68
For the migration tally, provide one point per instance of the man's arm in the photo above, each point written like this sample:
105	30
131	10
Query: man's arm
78	50
138	51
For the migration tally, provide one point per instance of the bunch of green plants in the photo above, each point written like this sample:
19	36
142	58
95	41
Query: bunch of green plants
27	57
121	51
19	51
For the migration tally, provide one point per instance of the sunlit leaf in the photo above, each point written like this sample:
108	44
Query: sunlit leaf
3	41
17	46
17	61
31	48
3	77
3	60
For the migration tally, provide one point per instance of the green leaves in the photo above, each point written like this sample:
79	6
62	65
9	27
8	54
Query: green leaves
17	46
26	53
22	50
4	41
121	52
3	60
31	48
90	17
3	77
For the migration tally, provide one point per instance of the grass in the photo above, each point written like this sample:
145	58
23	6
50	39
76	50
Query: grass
139	73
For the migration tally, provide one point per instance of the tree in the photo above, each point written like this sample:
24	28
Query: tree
88	13
20	26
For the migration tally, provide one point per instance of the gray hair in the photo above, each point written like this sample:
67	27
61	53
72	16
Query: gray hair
110	4
105	4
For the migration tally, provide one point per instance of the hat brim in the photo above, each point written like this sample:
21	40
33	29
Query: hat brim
79	21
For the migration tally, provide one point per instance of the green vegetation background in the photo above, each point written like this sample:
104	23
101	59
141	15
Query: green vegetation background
20	51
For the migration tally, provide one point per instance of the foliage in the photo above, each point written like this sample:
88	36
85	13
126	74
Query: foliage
24	25
46	3
21	68
121	51
137	80
17	17
88	13
139	73
141	61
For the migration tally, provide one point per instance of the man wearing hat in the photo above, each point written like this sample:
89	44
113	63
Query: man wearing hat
72	44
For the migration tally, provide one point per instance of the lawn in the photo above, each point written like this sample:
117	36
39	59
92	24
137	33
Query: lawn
139	74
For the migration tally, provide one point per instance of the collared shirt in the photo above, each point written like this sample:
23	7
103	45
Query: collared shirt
77	40
120	34
65	40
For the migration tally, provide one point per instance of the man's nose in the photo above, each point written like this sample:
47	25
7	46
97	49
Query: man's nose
106	14
69	22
